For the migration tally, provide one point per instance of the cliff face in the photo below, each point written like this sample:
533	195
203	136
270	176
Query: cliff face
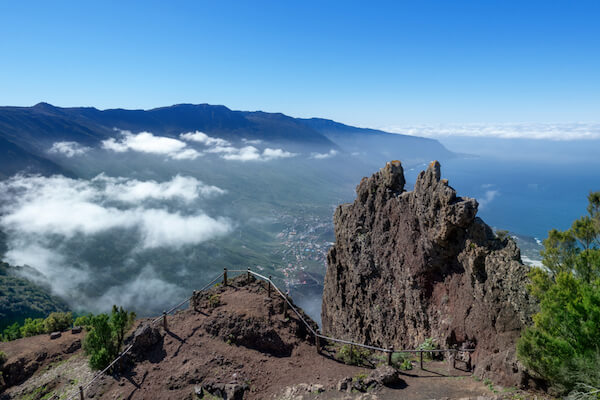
411	265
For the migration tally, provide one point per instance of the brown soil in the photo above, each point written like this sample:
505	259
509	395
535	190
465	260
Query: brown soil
190	357
28	355
222	341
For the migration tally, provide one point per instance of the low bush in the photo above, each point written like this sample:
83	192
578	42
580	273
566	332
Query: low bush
428	344
58	322
352	355
33	327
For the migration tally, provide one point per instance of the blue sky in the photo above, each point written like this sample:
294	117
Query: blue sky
364	63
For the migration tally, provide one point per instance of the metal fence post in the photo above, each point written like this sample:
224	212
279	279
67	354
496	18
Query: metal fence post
248	276
318	343
421	358
165	320
81	396
269	286
224	276
389	356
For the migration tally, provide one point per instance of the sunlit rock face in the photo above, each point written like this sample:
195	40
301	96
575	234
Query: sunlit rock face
409	265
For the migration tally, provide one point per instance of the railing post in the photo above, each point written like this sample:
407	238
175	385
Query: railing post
318	343
224	276
269	286
389	356
421	358
248	276
165	320
81	396
285	308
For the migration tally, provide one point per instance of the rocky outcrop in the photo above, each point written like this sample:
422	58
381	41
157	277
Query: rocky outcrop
409	265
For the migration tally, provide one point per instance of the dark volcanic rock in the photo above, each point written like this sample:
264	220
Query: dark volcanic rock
411	265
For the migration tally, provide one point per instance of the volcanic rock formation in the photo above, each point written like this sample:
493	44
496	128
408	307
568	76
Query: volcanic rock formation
409	265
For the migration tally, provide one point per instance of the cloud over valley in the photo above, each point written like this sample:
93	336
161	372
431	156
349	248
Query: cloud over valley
75	233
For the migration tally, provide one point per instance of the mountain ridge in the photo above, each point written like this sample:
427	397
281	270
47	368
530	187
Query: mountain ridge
32	131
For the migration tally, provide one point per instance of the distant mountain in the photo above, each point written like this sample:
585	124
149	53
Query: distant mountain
26	133
379	144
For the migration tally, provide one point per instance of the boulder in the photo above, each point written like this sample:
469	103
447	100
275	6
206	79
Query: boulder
385	375
144	338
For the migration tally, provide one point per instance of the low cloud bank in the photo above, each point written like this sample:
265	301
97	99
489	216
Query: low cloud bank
176	149
320	156
93	240
146	142
558	131
68	207
68	149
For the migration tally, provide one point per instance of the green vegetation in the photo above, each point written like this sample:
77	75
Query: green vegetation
502	235
21	299
352	355
361	376
401	361
563	345
428	344
105	337
214	300
2	358
85	321
56	321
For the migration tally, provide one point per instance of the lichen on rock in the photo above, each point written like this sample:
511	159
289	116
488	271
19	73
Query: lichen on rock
409	265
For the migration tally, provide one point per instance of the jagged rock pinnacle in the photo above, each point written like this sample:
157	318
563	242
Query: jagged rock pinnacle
411	265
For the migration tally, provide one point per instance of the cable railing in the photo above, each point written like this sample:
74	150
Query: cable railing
315	332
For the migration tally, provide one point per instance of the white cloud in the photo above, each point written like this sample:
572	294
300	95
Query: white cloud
558	131
140	293
67	207
488	197
133	191
201	137
253	141
146	142
93	240
320	156
69	149
250	153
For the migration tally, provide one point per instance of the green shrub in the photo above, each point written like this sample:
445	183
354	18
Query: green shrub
12	332
563	345
58	322
502	235
406	365
352	355
85	321
2	358
105	337
33	327
428	344
214	300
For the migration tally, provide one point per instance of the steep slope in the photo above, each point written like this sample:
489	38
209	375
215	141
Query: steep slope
20	298
411	265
